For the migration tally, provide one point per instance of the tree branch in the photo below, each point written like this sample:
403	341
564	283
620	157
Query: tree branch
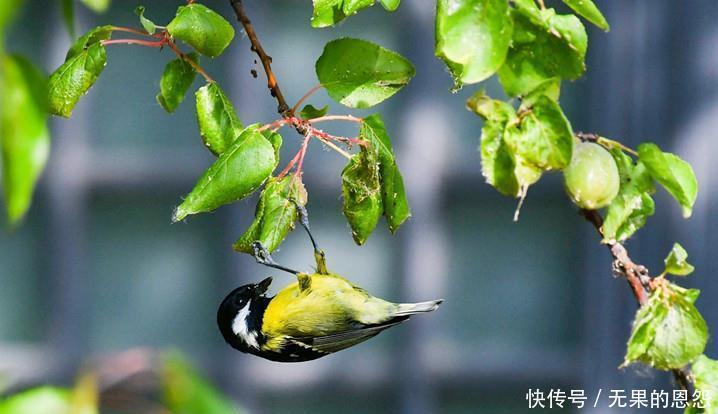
638	279
284	109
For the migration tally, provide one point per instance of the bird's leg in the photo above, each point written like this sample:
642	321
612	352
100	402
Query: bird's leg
263	257
319	255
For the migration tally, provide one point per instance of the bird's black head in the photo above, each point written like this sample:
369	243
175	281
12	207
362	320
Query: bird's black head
240	316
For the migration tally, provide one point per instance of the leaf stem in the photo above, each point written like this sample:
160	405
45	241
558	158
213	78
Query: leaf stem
138	42
134	31
187	59
306	96
335	118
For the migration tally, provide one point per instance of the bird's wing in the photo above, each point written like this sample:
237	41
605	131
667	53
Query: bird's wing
342	340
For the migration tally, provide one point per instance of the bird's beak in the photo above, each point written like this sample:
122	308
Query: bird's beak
262	286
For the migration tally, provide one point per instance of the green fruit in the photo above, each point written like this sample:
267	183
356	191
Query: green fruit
591	178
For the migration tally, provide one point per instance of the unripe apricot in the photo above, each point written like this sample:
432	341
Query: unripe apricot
591	179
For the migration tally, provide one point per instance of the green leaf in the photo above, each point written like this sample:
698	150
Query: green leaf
360	74
237	173
545	45
90	38
705	372
630	209
473	37
550	88
149	26
8	11
219	124
330	12
42	400
276	214
543	136
202	28
24	134
98	6
74	78
187	392
68	16
310	112
668	332
676	263
588	10
176	80
394	201
674	174
390	5
498	165
361	188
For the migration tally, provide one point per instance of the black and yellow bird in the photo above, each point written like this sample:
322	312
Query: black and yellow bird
317	315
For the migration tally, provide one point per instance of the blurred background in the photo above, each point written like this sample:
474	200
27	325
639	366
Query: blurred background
97	268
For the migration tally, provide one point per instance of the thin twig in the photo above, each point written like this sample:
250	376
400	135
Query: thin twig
266	60
306	96
335	118
638	279
187	59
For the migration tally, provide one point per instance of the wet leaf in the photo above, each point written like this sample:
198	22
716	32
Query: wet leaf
176	80
219	124
330	12
237	173
674	174
24	133
473	37
360	74
90	38
276	214
75	77
202	28
390	5
361	188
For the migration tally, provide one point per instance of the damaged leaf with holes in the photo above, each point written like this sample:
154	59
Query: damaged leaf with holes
473	37
276	214
360	74
238	172
668	331
84	63
544	45
394	201
361	190
219	125
202	28
176	81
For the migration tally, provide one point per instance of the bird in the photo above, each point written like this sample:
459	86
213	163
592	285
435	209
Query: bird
318	314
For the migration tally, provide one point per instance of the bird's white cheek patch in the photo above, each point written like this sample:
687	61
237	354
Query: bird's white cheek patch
240	328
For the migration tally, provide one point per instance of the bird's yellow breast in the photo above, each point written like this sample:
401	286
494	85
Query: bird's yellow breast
329	305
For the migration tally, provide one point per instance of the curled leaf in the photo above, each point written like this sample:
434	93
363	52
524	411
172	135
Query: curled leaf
202	28
219	124
676	262
149	26
275	215
361	188
237	173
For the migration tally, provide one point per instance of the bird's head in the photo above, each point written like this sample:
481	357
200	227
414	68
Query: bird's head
240	316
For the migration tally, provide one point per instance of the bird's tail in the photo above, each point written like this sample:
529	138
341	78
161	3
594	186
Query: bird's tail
406	309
